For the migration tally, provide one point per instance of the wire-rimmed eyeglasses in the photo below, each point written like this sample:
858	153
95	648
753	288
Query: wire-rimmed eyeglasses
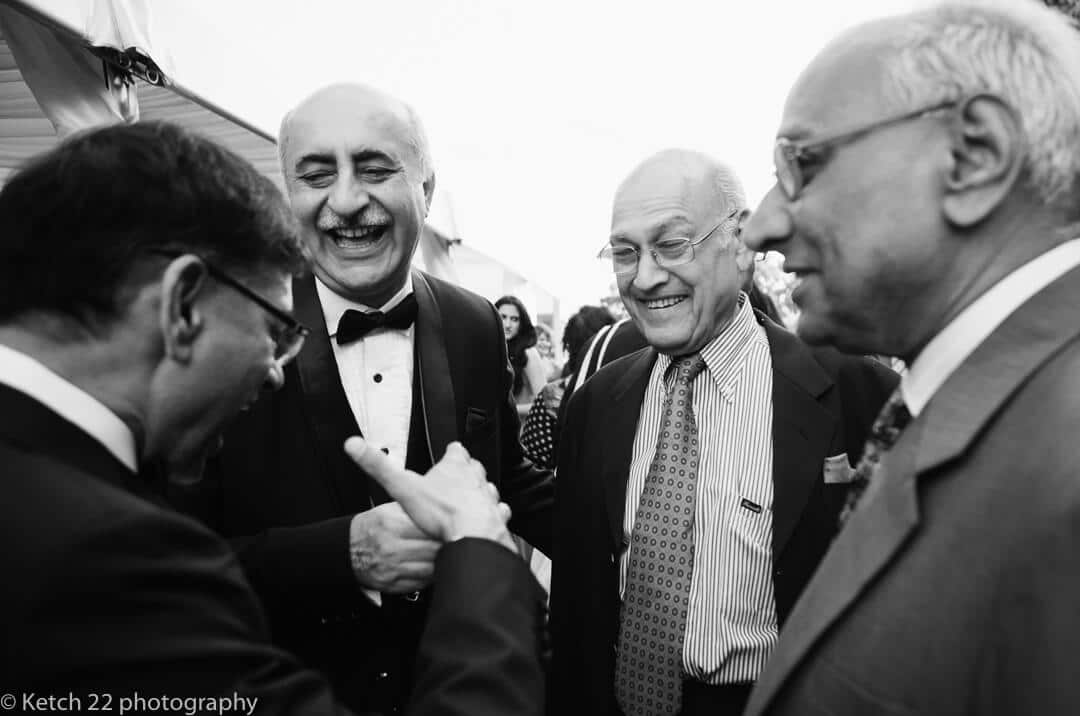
789	156
288	340
667	253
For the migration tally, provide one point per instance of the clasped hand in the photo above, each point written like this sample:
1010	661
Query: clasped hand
393	546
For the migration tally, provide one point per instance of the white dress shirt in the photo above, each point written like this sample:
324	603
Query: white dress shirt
23	373
731	624
958	340
376	373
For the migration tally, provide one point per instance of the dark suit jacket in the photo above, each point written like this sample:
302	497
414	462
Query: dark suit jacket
111	592
823	405
954	588
284	490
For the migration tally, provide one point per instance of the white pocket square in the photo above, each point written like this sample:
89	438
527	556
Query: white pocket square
837	470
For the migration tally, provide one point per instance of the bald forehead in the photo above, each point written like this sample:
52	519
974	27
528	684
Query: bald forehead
671	178
350	103
842	86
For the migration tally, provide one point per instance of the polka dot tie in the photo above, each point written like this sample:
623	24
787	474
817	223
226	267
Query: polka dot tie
648	667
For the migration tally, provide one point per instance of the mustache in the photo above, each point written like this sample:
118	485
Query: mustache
368	219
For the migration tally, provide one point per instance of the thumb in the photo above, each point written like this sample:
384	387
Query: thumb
397	482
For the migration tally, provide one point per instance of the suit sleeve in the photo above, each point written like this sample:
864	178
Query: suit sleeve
279	560
1032	667
481	653
163	608
528	490
566	615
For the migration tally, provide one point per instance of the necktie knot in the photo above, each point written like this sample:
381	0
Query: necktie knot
354	325
686	368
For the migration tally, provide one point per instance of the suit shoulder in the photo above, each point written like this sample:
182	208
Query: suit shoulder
857	368
604	378
451	295
60	515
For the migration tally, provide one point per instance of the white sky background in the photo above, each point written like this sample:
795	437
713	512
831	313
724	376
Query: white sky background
535	111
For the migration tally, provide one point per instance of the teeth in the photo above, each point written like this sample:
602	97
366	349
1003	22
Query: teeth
664	302
362	232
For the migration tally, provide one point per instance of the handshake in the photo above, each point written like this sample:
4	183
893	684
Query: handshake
451	501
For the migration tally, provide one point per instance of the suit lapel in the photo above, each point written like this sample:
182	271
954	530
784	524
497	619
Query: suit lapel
328	411
889	511
802	429
617	433
436	387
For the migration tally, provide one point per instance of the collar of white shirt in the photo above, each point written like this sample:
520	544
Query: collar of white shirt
70	402
724	354
334	305
958	340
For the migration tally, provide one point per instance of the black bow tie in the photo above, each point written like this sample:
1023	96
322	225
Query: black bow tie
354	325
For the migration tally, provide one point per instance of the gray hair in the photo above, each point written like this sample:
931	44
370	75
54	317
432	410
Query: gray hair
1018	50
416	140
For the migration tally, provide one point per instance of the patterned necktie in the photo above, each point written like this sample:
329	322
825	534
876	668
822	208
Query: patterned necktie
354	325
890	422
648	668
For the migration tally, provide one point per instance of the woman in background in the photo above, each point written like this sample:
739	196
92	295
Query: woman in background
540	434
520	341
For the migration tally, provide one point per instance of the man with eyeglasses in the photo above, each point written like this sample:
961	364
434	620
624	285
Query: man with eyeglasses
927	198
145	299
699	478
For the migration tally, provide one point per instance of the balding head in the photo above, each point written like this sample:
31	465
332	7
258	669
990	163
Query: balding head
679	210
359	100
359	180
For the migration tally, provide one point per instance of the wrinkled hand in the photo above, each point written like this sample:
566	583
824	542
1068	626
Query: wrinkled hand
453	500
388	552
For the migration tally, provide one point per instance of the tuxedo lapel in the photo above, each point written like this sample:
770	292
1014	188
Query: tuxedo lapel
889	511
802	429
619	427
436	384
324	401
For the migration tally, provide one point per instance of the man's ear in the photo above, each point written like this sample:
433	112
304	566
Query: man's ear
181	319
429	191
987	157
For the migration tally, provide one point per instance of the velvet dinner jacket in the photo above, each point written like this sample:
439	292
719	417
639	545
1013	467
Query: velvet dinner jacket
284	491
954	588
823	405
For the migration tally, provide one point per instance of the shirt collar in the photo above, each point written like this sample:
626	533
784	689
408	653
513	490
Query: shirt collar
723	354
70	402
959	339
335	305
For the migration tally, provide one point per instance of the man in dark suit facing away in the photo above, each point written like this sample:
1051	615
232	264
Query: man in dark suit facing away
699	478
145	298
407	360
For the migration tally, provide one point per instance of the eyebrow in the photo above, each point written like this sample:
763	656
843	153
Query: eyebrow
358	157
657	231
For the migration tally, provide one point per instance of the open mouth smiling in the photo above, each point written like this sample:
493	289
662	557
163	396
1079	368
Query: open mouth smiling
654	304
358	237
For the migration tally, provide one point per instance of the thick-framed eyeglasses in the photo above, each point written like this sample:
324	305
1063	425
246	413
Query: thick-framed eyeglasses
667	253
288	340
789	156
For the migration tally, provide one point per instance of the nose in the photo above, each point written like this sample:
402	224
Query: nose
275	377
649	273
348	195
770	227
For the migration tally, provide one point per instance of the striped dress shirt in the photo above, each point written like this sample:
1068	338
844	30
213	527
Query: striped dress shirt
731	624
